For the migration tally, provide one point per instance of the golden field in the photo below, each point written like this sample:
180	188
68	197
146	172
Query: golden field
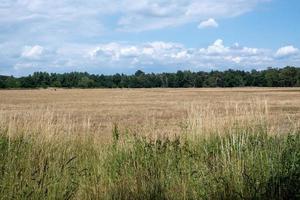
240	143
154	112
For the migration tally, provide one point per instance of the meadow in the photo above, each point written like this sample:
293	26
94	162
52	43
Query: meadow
241	143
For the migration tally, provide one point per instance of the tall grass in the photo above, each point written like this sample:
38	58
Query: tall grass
241	158
235	166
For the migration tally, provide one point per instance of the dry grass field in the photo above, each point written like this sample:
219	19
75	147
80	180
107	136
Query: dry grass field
241	143
144	111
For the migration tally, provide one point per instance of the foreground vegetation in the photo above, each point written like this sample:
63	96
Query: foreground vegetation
240	164
197	144
272	77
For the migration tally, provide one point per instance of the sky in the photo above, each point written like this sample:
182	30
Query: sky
122	36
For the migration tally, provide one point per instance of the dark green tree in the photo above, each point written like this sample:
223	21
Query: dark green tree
85	82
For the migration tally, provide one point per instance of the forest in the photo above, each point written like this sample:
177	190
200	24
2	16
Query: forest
271	77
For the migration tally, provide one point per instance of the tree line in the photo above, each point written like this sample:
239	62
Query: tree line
271	77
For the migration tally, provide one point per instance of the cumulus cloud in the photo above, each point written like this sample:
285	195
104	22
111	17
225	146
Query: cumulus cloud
158	56
174	54
287	51
210	23
216	48
70	35
65	29
118	54
32	52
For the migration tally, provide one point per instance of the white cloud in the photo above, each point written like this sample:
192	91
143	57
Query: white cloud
32	52
210	23
157	56
131	15
65	29
174	54
155	14
118	53
216	48
236	60
286	51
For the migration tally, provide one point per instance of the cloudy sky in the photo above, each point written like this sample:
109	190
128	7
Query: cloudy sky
109	36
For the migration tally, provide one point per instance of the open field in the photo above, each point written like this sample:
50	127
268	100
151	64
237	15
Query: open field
157	111
240	143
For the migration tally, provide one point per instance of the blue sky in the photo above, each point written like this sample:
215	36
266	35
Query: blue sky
109	36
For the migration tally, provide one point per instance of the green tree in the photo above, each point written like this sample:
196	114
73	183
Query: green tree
11	82
85	82
2	82
56	83
289	76
139	73
272	77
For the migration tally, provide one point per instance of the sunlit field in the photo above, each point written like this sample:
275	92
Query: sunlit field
241	143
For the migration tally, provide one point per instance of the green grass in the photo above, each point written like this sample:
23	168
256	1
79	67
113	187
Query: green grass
237	165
